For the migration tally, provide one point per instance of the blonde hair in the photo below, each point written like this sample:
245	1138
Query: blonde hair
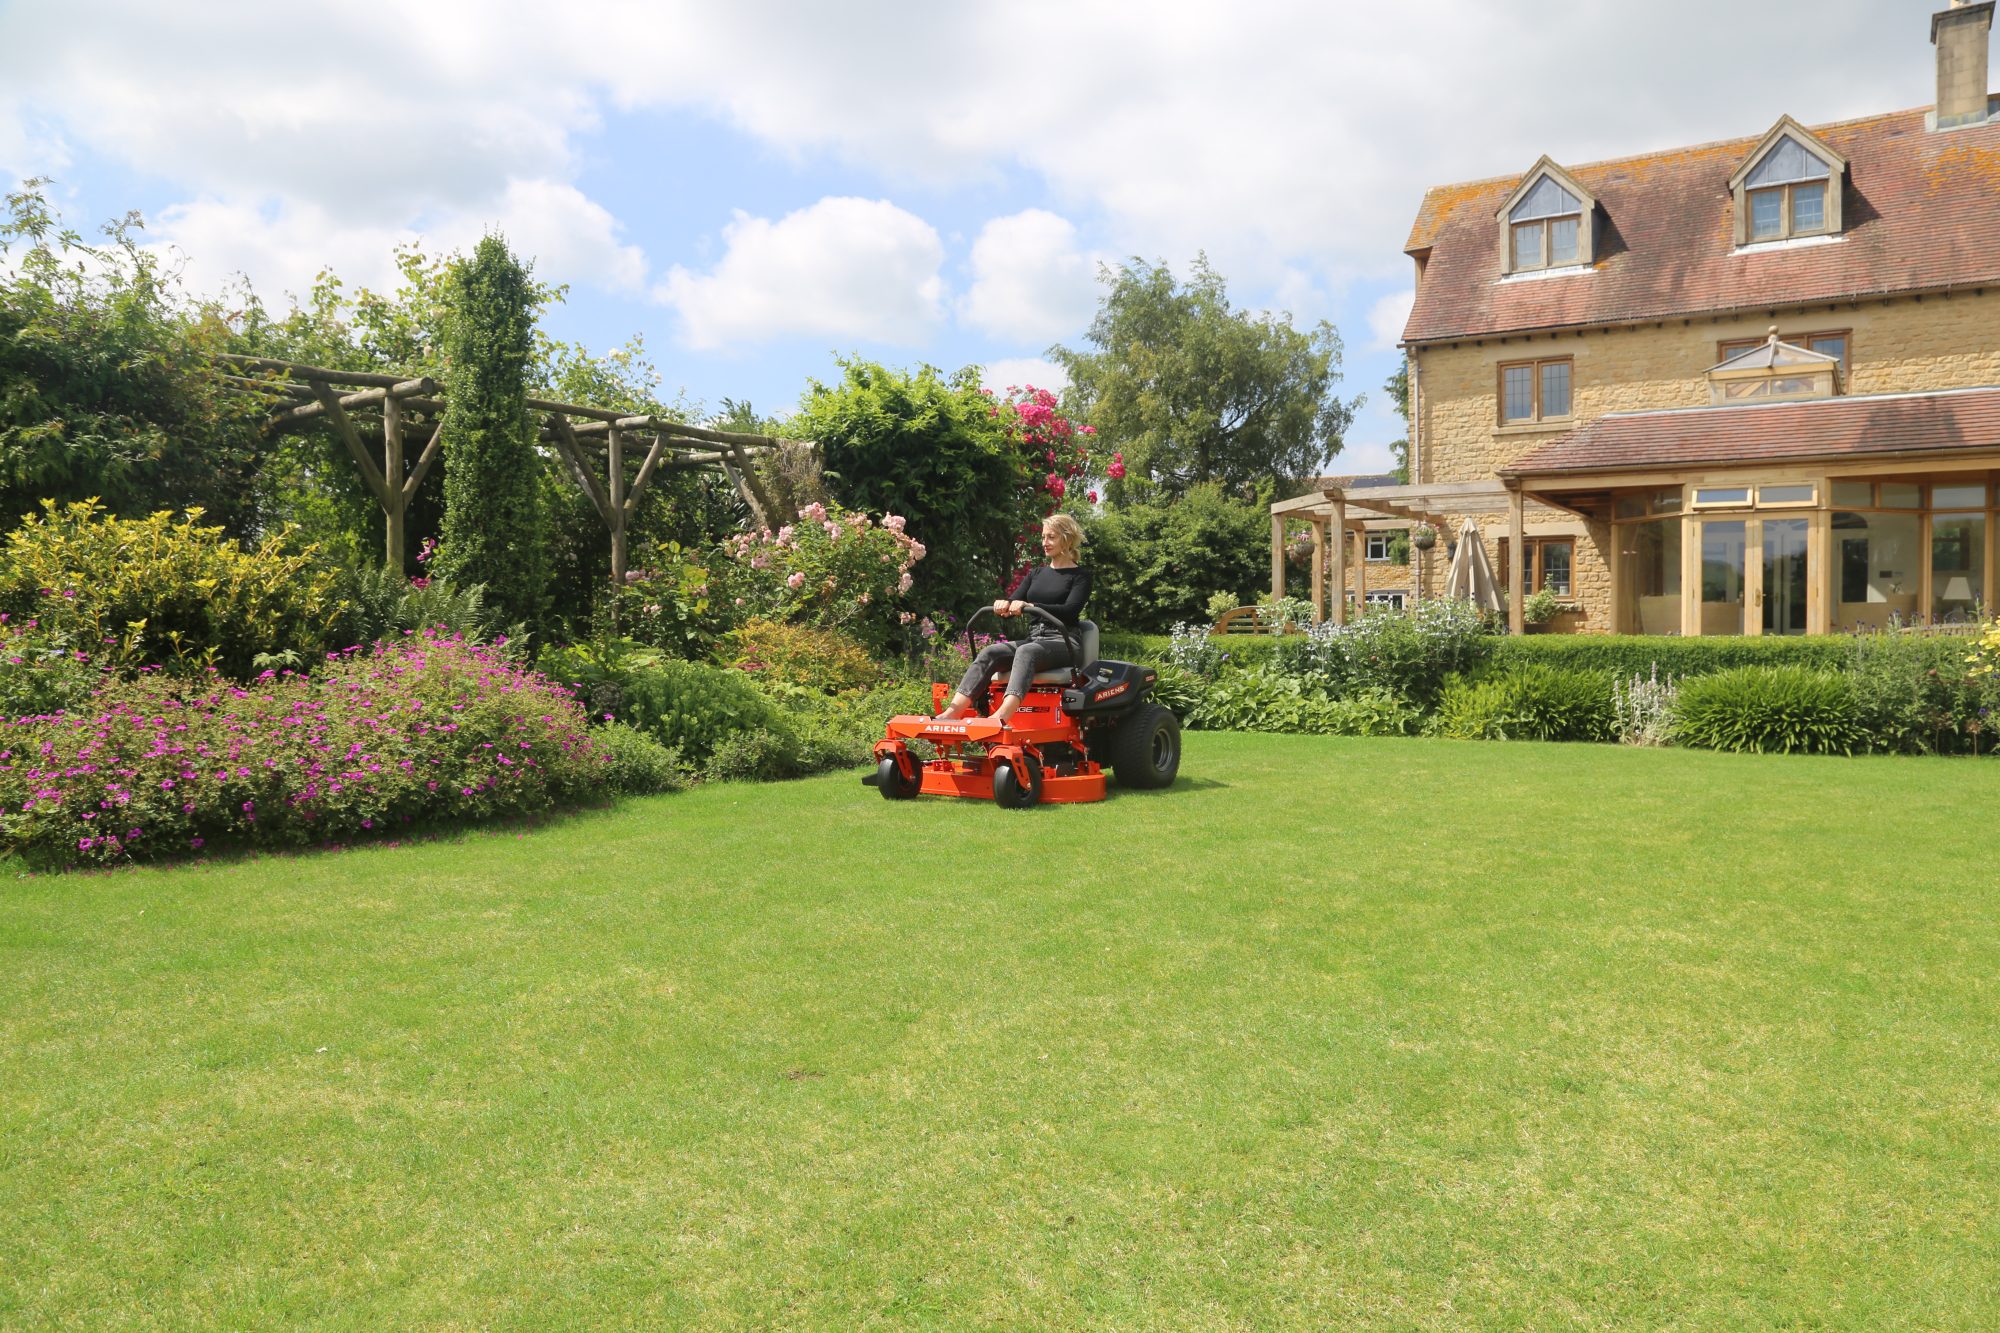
1067	532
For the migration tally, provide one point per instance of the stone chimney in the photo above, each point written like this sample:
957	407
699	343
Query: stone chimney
1960	35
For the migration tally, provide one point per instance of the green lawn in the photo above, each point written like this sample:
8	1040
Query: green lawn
1335	1034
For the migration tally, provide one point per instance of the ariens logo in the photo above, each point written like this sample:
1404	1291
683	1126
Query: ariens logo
1113	692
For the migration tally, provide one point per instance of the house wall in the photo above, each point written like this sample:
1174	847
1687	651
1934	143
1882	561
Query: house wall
1899	345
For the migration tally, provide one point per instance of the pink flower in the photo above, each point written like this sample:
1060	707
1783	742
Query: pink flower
1115	471
1092	495
894	522
797	579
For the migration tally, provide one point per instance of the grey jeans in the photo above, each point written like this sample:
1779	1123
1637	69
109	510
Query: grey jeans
1020	660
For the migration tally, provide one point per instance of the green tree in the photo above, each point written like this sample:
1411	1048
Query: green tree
1158	563
107	387
1398	388
1191	391
934	449
492	532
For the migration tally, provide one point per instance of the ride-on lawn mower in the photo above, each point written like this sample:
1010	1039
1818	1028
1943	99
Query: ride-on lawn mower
1073	724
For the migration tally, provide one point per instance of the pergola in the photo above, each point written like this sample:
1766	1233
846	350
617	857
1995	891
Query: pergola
371	411
1336	509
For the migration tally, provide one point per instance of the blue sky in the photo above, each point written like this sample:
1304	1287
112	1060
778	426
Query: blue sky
760	186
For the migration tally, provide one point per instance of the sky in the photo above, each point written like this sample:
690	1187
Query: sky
758	187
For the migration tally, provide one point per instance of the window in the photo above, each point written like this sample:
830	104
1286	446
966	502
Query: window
1549	564
1789	187
1833	344
1546	224
1377	550
1533	391
1546	228
1711	497
1393	599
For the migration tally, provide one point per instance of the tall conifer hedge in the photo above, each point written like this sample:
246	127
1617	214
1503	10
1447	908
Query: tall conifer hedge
492	531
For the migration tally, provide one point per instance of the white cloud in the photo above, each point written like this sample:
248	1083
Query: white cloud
850	269
1023	372
281	244
1030	283
1387	317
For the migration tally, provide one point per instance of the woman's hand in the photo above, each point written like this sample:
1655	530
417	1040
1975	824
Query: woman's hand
1000	605
1016	608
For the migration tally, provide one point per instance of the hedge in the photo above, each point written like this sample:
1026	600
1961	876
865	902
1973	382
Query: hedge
1629	655
1244	649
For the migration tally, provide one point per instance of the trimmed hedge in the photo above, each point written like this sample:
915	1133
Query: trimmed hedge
1245	650
1627	655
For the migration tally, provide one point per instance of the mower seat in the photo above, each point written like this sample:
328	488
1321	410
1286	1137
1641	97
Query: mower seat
1060	675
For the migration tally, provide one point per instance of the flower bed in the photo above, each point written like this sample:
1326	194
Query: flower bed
423	728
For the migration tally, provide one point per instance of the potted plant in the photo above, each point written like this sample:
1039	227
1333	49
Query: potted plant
1540	608
1423	536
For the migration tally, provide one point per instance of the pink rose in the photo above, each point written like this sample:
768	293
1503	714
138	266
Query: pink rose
797	580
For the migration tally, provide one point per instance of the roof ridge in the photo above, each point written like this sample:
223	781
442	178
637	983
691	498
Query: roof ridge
1792	402
1746	139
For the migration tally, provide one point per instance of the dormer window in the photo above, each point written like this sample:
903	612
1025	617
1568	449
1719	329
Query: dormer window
1546	227
1773	369
1788	188
1545	224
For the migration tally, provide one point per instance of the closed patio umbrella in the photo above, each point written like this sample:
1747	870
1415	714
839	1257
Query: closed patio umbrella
1470	577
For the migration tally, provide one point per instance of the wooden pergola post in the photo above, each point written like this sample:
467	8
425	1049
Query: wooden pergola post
1277	556
1360	569
1517	541
395	504
1339	579
1319	568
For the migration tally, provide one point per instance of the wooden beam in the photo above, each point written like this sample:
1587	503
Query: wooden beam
1277	555
313	374
1360	568
614	509
1517	559
1339	573
424	461
394	500
414	393
645	474
572	453
344	427
1319	569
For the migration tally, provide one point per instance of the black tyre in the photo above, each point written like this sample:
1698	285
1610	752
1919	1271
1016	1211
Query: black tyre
1146	748
1017	790
893	783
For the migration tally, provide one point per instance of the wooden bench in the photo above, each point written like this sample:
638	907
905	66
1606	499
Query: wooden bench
1247	620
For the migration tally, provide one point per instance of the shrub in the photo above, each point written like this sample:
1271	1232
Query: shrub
419	729
1536	703
1408	653
831	570
1237	650
1628	655
1922	694
635	764
493	517
1540	606
374	602
825	660
1762	709
695	707
169	592
669	603
1643	709
42	672
1155	565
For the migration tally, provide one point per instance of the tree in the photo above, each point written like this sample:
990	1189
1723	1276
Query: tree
1156	565
492	532
936	450
1190	391
1398	389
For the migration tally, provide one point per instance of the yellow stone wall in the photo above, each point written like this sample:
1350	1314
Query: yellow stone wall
1894	346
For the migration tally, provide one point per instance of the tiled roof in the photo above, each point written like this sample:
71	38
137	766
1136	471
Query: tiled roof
1355	481
1921	213
1904	423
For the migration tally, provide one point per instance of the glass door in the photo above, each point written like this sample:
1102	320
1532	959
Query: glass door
1725	569
1784	570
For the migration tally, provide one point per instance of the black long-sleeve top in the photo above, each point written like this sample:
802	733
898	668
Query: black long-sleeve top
1060	592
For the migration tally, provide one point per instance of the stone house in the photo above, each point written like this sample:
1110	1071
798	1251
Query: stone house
1748	387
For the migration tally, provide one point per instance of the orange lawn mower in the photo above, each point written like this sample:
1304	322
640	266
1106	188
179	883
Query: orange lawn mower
1073	724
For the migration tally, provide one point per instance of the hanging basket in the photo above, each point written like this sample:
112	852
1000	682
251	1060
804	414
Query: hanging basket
1423	537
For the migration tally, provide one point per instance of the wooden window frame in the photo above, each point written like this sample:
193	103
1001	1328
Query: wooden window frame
1537	418
1535	573
1749	500
1787	229
1544	262
1586	222
1835	182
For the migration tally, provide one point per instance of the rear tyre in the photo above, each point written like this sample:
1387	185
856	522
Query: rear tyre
1146	749
1017	789
893	783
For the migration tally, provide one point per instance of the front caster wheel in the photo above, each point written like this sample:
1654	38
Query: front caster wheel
1014	790
893	782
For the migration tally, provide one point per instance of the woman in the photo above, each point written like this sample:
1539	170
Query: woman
1059	587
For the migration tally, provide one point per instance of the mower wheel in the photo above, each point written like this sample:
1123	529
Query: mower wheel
1146	748
1017	789
893	783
